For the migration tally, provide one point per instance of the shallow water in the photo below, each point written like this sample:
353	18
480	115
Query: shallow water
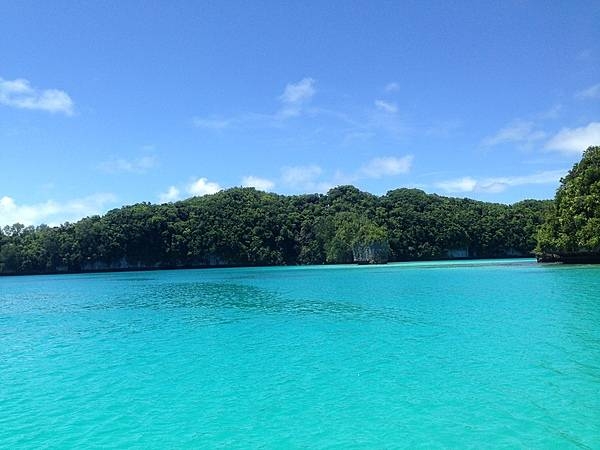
458	355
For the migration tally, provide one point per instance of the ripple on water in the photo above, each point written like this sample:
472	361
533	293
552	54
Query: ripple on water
429	355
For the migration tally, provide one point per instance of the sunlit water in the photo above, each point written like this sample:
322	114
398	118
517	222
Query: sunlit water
467	355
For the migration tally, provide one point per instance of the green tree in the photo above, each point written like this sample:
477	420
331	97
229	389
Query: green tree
573	224
243	226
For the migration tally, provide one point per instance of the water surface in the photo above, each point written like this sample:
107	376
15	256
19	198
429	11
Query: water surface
430	355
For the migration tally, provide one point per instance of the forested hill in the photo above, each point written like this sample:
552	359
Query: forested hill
571	232
243	226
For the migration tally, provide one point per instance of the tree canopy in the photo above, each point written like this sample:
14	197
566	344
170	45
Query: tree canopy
573	224
243	226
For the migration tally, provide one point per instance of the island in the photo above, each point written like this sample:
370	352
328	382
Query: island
247	227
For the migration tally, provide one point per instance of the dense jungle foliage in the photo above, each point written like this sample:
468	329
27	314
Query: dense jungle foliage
573	225
243	226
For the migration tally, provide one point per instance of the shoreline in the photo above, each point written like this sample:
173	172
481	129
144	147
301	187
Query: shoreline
569	258
234	266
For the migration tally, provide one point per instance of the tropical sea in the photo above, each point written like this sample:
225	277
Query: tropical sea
416	355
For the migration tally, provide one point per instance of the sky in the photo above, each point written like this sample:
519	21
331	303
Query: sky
104	104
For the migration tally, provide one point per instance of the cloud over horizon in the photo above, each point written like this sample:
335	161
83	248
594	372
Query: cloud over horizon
494	185
262	184
575	140
202	186
197	187
53	212
306	178
172	194
387	166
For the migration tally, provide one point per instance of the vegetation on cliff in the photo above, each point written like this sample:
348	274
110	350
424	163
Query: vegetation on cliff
572	227
243	226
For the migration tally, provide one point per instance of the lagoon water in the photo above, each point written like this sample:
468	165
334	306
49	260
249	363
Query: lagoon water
429	355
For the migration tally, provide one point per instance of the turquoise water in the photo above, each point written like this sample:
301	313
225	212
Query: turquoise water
429	355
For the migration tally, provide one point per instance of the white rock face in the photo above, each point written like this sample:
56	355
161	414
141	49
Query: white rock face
376	253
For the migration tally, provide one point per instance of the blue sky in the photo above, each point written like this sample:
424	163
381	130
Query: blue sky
110	103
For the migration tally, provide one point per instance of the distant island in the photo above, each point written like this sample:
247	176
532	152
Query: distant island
246	227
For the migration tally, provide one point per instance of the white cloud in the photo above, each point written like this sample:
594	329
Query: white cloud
262	184
518	131
593	92
392	87
385	166
492	185
298	175
294	100
383	119
465	184
295	95
312	178
211	123
387	107
196	187
305	179
52	212
19	94
202	186
171	195
298	92
138	165
575	140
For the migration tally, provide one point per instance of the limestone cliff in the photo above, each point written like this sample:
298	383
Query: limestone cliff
373	253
